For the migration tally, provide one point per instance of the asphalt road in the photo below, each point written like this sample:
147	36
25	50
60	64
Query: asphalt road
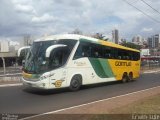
16	100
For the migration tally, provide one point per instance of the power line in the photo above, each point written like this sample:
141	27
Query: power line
150	6
142	11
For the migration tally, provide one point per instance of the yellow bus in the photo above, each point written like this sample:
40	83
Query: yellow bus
70	60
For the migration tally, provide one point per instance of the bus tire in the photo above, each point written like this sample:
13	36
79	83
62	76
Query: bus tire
130	76
125	78
75	83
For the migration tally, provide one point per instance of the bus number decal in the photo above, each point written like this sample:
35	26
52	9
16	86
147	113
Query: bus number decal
119	63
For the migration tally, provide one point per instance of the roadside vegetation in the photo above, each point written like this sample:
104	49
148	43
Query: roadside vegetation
149	107
145	106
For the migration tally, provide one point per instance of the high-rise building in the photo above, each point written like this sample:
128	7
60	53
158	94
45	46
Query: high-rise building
115	36
150	45
154	41
27	40
157	40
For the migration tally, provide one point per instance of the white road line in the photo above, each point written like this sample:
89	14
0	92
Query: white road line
56	111
6	75
10	85
151	72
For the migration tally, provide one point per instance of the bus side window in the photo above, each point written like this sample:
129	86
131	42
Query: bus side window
78	53
83	50
136	56
108	53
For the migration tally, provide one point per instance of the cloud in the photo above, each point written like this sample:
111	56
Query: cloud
43	18
37	17
25	9
14	43
147	29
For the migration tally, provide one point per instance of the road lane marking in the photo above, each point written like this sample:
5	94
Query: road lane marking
9	74
11	85
151	72
60	110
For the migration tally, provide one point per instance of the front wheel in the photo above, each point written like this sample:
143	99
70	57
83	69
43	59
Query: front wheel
75	83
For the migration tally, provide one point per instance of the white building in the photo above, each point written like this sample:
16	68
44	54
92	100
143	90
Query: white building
145	52
4	46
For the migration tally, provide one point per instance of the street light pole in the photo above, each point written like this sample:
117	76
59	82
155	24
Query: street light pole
4	65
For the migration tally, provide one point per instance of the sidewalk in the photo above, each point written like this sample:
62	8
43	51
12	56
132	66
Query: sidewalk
10	80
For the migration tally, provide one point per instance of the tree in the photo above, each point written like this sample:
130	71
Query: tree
77	31
131	45
100	36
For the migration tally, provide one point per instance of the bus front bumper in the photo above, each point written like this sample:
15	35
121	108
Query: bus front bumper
35	84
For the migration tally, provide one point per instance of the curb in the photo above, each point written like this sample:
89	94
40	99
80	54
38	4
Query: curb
11	85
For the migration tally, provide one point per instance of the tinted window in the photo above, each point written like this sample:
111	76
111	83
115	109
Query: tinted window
136	56
109	52
86	49
83	50
96	51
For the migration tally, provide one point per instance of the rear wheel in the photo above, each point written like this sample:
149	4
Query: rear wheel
125	78
75	83
130	77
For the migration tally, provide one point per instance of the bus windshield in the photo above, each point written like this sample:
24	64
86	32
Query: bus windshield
37	63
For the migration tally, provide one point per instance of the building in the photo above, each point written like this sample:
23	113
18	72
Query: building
115	36
4	46
150	44
28	40
138	40
157	40
7	57
145	52
154	41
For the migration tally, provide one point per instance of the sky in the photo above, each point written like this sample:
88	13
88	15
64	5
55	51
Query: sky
41	17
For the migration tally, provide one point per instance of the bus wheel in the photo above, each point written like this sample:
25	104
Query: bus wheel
124	78
130	77
75	83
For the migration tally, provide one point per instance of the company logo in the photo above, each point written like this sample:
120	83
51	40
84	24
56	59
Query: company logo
119	63
58	83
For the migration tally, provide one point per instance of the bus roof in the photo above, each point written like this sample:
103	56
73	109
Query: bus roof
86	38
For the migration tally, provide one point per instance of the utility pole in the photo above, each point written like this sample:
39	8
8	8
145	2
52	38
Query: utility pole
4	65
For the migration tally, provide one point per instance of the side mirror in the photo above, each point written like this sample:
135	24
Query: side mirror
22	48
51	48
